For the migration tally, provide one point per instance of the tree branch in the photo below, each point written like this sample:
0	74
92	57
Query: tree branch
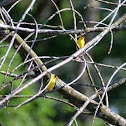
61	32
69	93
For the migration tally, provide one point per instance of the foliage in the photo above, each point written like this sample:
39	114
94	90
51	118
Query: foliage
52	112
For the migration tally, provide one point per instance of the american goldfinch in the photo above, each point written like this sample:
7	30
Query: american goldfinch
80	42
51	82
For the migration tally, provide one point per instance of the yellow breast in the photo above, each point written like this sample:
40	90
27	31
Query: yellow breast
81	42
51	83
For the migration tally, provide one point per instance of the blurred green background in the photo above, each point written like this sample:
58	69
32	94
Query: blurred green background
49	112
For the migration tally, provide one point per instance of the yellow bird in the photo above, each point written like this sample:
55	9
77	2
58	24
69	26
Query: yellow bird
80	42
52	82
